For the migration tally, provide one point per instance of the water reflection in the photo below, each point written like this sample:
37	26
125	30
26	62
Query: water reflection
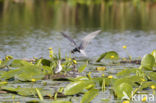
65	14
29	27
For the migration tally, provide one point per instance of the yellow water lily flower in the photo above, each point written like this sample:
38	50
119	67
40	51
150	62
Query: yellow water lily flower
124	46
144	99
143	80
74	61
8	57
50	53
112	56
33	80
110	77
50	56
50	48
69	59
103	75
0	61
152	86
125	101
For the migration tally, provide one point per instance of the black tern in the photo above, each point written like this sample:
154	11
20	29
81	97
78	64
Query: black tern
85	41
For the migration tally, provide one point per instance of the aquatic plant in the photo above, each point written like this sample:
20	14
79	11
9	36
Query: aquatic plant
124	84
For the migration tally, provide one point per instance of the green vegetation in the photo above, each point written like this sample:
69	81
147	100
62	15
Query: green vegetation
124	84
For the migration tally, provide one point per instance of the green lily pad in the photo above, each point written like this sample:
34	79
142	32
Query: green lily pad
152	75
79	78
108	55
89	96
154	54
123	90
147	85
148	62
25	73
82	67
19	63
21	91
127	72
77	87
10	74
60	101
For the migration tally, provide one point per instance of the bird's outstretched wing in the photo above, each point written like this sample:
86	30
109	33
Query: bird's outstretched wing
69	38
88	38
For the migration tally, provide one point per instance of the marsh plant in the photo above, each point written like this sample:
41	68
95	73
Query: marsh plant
127	85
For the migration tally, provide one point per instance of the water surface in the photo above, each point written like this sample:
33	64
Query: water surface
29	28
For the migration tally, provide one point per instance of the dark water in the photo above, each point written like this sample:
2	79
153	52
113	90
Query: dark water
28	28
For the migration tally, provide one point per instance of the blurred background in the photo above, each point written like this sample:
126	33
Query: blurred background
29	27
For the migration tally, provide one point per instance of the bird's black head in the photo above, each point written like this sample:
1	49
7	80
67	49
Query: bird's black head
75	50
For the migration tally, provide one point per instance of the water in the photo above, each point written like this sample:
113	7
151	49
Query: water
36	43
29	28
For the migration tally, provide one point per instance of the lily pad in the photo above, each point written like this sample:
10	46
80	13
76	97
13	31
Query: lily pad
123	90
108	55
60	101
76	87
19	63
25	73
82	67
148	62
154	54
20	91
89	96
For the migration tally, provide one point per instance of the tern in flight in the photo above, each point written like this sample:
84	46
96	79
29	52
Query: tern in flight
83	43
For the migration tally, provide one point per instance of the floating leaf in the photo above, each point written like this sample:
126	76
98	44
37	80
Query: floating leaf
82	67
147	85
123	90
128	79
152	75
154	54
33	71
59	101
20	91
127	72
148	62
79	78
10	74
89	96
25	73
76	87
19	63
108	55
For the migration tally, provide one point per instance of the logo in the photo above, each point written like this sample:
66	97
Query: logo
139	97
